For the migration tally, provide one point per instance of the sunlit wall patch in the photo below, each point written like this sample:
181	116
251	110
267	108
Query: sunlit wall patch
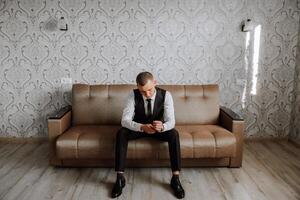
247	42
257	31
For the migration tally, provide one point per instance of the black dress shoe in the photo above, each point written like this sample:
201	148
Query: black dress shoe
119	185
177	188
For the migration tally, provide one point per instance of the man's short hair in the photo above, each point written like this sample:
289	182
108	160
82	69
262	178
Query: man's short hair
143	77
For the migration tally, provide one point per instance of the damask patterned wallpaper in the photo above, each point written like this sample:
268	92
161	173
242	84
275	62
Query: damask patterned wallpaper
180	41
295	122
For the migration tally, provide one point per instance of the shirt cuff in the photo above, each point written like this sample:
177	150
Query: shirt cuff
139	128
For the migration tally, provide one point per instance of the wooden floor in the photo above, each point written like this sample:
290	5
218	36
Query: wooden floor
271	170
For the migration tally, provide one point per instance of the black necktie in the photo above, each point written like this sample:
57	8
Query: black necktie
149	112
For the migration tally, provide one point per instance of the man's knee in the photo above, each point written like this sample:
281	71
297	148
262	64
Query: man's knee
122	132
174	135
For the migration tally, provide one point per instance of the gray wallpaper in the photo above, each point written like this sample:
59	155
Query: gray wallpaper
180	41
295	122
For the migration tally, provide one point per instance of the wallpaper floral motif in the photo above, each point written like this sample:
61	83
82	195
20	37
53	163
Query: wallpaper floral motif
295	122
180	41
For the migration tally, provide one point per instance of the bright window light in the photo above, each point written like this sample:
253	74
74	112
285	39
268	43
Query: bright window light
246	67
257	31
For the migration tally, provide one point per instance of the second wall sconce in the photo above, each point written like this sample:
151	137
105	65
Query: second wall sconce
62	24
247	25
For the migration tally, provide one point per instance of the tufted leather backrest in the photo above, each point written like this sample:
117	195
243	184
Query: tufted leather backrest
103	104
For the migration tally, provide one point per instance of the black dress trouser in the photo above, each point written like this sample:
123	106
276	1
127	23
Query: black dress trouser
124	135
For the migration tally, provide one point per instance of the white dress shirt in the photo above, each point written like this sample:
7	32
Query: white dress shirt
128	112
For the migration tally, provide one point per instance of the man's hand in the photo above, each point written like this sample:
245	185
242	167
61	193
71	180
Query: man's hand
148	128
158	126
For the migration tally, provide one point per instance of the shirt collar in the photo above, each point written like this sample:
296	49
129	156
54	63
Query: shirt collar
153	96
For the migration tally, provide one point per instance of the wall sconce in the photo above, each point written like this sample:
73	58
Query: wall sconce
62	24
247	25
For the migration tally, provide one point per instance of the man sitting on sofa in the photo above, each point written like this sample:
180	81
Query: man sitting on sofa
149	112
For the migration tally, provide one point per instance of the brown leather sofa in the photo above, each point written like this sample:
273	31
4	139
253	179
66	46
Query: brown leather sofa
84	134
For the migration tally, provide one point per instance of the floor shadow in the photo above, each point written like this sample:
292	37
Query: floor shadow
164	185
108	186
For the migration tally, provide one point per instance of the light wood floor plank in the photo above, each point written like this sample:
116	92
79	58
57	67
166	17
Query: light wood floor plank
83	181
290	150
282	169
270	171
246	180
202	184
229	185
9	149
92	184
265	177
26	182
17	166
292	163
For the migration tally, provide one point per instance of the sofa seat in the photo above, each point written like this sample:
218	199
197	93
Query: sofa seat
88	141
205	141
97	142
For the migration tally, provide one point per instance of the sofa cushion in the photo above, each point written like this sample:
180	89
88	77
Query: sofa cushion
98	104
87	142
103	104
197	141
195	104
203	141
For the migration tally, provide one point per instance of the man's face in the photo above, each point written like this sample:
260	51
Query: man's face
148	89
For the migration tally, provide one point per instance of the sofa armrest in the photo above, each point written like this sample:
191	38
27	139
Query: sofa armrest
231	114
57	124
63	111
231	121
